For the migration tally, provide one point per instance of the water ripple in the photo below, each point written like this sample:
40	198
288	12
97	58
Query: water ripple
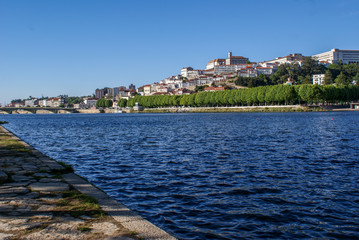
216	176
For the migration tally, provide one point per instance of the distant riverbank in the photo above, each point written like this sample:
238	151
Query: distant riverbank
272	108
182	109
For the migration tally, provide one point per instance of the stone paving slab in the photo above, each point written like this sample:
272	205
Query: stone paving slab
49	187
119	212
30	195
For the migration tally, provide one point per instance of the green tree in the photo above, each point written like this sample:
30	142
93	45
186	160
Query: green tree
122	103
328	78
108	103
342	79
100	103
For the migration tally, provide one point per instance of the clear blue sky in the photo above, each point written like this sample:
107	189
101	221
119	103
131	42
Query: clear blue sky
53	47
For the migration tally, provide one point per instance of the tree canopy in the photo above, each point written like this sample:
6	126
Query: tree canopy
263	95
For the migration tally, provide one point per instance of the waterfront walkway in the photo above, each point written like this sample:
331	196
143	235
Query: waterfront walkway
43	199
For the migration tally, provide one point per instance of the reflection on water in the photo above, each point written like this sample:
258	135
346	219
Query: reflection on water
216	176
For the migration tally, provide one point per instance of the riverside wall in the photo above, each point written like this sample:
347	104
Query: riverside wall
33	203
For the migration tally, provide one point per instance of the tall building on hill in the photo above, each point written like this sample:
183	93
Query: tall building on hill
235	60
230	60
336	55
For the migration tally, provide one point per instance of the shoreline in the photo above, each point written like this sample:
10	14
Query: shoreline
234	109
133	225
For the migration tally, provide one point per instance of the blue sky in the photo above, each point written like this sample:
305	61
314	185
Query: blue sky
53	47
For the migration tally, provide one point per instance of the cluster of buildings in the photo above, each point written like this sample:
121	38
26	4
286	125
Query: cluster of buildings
217	72
334	56
43	102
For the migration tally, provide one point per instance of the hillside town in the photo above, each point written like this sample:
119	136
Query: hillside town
218	75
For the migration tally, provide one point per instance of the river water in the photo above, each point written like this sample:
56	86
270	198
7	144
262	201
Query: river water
216	176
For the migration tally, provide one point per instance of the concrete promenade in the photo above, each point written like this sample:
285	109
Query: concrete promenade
43	199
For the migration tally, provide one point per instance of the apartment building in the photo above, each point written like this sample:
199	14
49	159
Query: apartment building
336	55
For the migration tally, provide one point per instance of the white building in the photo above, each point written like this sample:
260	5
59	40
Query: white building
147	90
215	62
31	102
264	70
230	60
318	79
189	72
224	69
291	58
235	60
335	55
203	80
90	102
247	72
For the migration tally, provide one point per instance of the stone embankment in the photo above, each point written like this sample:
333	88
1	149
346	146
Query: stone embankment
43	199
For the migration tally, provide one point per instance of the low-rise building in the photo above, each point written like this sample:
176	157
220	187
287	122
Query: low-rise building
147	90
318	79
189	72
54	102
264	70
291	58
90	102
31	102
203	80
247	72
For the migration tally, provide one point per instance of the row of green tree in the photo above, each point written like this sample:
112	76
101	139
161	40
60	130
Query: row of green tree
104	103
263	95
341	74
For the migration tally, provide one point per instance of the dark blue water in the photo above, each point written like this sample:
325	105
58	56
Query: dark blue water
216	176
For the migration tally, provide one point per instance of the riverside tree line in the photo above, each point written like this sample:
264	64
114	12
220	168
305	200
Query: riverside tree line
263	95
268	90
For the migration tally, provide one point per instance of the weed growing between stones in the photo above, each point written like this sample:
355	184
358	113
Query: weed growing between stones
84	228
78	204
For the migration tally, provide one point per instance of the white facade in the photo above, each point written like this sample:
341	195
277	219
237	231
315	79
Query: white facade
193	74
147	90
335	55
31	102
90	102
223	69
203	81
248	72
318	79
215	62
291	58
264	70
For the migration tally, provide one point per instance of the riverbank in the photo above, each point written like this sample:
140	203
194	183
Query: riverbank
43	199
288	108
235	109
